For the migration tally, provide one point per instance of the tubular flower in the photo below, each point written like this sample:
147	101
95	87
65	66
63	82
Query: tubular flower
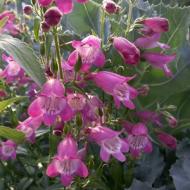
167	140
51	103
138	139
12	72
159	60
10	26
89	49
128	51
8	150
117	86
156	24
66	6
28	127
110	143
67	163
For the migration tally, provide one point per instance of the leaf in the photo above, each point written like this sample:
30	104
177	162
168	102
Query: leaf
12	134
36	28
3	21
24	56
5	103
1	5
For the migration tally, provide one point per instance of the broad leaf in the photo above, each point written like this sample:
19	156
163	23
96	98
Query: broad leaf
24	56
12	134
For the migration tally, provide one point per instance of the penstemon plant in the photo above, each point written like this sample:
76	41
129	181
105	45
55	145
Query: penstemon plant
95	82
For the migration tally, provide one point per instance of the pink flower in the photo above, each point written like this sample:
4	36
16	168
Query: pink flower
66	6
148	42
138	139
89	49
12	72
159	60
110	143
110	6
128	51
117	86
8	150
51	103
156	24
67	162
9	27
28	127
45	3
167	140
150	116
172	121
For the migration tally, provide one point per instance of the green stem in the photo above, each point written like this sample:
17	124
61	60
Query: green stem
129	17
102	25
58	53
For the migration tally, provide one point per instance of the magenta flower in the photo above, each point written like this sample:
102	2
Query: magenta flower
12	72
28	127
110	6
117	86
138	139
67	162
168	140
110	143
51	103
10	26
8	150
159	60
156	24
66	6
172	121
45	3
89	49
148	42
128	51
150	116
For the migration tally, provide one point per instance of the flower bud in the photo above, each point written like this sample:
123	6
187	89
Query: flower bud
28	9
172	121
167	140
157	24
44	3
110	7
53	16
129	52
45	27
143	90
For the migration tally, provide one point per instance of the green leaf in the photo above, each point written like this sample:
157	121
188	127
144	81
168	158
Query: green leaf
5	103
36	28
3	21
24	56
12	134
1	5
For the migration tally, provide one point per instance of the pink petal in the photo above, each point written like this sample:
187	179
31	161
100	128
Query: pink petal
35	109
67	114
125	146
51	170
82	170
66	180
104	155
65	6
119	156
49	119
100	59
148	147
82	1
73	58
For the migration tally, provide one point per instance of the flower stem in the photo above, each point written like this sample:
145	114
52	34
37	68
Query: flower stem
129	17
58	53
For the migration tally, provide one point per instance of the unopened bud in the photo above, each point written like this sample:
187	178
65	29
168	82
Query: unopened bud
110	7
28	9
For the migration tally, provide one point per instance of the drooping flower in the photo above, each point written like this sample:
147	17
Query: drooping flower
45	3
156	24
138	139
110	143
66	6
110	6
147	116
117	86
53	16
12	72
148	42
29	127
89	50
51	103
10	26
8	150
128	51
67	162
159	60
167	139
